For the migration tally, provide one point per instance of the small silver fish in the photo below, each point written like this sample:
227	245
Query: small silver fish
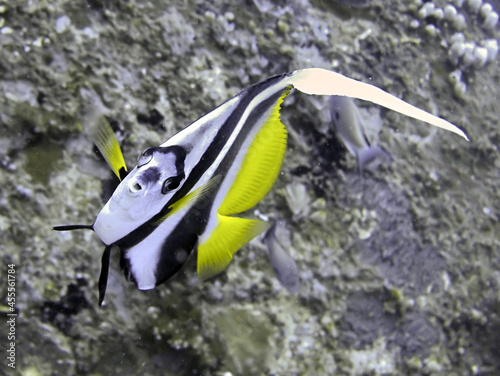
283	264
349	125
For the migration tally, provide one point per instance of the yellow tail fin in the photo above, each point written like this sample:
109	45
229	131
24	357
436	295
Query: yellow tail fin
231	233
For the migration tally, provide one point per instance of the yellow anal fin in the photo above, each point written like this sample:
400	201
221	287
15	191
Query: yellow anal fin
105	140
261	165
231	233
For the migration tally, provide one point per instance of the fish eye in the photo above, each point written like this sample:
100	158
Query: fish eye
170	184
145	157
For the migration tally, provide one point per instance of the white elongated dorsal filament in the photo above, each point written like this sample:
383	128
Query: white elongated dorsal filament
324	82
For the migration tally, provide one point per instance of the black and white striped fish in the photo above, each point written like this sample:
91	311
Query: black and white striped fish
183	194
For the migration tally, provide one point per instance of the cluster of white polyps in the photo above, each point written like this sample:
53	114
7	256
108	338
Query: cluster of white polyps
476	8
447	23
467	53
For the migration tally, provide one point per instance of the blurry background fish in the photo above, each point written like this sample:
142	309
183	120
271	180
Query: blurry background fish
283	264
350	128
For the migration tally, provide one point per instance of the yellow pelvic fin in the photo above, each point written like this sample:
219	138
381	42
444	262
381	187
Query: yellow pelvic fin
261	165
231	233
195	195
106	142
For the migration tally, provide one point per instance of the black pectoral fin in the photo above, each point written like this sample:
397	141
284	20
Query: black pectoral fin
103	277
72	227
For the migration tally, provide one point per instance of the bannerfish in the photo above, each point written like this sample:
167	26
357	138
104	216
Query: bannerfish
349	126
183	194
283	264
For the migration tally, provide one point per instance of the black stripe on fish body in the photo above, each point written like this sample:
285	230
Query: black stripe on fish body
180	242
174	253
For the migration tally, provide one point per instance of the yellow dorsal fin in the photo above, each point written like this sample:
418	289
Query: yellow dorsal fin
261	165
231	233
105	140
